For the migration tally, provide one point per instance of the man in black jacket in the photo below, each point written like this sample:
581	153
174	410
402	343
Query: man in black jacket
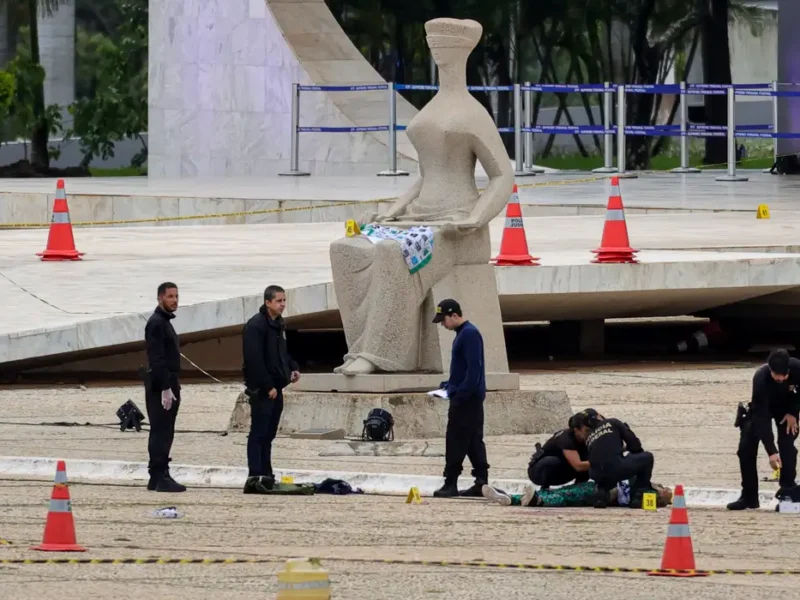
268	369
774	398
162	388
606	441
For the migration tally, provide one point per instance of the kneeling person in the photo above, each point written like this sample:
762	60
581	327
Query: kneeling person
606	441
562	459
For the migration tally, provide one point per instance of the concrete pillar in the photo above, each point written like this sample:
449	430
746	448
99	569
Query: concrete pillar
585	338
57	51
788	71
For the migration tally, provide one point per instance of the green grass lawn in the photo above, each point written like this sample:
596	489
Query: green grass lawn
659	163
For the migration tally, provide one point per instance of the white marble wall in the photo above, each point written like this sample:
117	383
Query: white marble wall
221	73
57	51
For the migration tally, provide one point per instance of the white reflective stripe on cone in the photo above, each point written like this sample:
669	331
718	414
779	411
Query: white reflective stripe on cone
513	222
307	585
678	531
59	217
60	194
60	506
614	190
679	502
615	214
514	199
61	477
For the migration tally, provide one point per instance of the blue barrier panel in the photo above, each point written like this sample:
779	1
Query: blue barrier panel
705	134
505	129
756	134
653	89
568	129
557	88
490	88
779	94
342	88
342	129
403	86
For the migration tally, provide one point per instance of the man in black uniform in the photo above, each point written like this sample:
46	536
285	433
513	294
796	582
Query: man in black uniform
162	389
775	398
608	464
562	458
267	370
466	390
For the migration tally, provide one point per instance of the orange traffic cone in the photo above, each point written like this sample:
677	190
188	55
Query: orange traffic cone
678	558
59	531
60	243
514	246
615	247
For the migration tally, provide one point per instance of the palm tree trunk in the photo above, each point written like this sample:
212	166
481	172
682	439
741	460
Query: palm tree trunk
40	157
716	69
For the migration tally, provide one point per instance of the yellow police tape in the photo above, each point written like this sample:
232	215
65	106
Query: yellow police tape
424	563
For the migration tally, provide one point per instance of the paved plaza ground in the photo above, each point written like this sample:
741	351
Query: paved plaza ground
683	414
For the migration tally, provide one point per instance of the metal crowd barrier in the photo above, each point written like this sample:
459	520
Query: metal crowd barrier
524	128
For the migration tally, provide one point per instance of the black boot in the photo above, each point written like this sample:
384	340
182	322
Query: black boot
167	484
476	491
154	477
448	490
258	484
602	498
743	504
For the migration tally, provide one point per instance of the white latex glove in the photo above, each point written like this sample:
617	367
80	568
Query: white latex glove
167	399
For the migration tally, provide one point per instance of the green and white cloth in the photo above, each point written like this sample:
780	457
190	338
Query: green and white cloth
416	243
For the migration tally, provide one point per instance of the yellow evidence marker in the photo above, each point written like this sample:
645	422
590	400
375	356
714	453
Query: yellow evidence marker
762	212
649	501
413	496
287	479
351	228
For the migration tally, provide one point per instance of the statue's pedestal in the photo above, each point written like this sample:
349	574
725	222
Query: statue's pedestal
382	383
416	415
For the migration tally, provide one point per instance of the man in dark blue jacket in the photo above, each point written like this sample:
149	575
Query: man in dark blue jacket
466	389
268	369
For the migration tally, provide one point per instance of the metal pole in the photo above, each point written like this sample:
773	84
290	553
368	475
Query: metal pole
392	141
774	127
684	168
294	159
608	137
731	174
518	169
621	110
529	168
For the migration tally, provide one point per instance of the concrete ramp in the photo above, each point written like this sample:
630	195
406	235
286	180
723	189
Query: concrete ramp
220	80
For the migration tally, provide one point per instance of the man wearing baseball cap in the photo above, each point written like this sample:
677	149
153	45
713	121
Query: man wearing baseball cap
775	397
466	390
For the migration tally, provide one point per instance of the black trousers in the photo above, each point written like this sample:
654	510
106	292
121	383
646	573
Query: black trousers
162	428
464	438
636	467
265	418
748	458
551	470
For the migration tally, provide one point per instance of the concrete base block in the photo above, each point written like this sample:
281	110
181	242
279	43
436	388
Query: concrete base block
416	416
393	382
415	448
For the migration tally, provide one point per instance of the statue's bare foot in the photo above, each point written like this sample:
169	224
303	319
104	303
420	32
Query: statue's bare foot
360	366
341	367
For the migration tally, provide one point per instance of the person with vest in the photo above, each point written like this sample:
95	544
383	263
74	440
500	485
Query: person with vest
774	398
268	369
466	391
162	388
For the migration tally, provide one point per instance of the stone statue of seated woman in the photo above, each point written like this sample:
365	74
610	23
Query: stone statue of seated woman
383	278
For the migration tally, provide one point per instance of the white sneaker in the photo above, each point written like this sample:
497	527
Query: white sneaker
495	496
527	497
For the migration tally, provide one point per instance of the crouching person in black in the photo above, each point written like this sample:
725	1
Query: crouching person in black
774	398
606	440
268	369
562	458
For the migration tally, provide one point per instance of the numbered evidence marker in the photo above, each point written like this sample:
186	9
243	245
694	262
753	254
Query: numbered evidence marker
351	228
762	212
413	496
287	479
649	501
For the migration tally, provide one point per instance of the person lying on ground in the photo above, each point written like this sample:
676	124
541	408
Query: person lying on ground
606	441
562	458
580	494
